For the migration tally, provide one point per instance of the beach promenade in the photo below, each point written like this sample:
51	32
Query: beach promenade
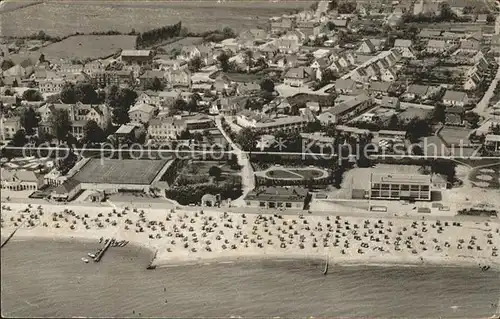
183	236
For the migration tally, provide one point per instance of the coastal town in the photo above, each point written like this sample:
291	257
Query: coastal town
360	132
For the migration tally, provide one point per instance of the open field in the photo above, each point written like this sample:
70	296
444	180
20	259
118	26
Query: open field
412	112
119	171
88	46
60	18
179	44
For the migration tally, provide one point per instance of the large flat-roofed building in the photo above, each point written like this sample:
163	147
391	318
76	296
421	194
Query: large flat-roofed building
277	197
400	186
119	174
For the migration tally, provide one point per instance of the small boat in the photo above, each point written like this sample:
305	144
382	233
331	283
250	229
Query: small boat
85	260
91	255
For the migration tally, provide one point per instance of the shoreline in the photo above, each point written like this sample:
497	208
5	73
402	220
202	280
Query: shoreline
190	237
392	261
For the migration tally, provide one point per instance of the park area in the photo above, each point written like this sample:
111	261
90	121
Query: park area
197	172
81	47
294	173
486	177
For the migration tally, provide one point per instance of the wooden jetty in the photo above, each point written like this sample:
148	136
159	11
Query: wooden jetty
103	250
151	266
11	235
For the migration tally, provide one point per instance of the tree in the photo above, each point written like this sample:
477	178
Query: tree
93	133
68	94
7	64
60	124
19	138
66	163
29	121
179	106
393	122
154	84
473	118
85	93
267	85
223	59
228	33
247	138
446	168
195	64
32	95
417	128
82	92
185	135
8	92
295	110
439	114
120	101
215	172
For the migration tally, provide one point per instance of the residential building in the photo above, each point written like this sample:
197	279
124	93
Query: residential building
269	125
49	86
455	98
93	67
20	180
400	187
388	75
470	45
297	77
149	97
345	110
344	86
390	102
150	75
108	78
125	133
367	47
253	35
136	56
492	141
436	46
69	68
141	113
79	114
379	88
417	91
405	46
164	129
277	197
66	191
9	126
282	26
178	78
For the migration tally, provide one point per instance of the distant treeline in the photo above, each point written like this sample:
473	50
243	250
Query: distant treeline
157	35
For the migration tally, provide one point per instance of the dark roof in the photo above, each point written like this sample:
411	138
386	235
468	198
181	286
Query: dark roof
294	194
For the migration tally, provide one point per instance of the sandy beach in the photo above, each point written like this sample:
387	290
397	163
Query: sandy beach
190	237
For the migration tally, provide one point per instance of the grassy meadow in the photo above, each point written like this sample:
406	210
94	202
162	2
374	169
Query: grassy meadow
60	18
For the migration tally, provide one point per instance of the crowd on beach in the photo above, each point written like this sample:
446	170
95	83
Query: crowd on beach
180	236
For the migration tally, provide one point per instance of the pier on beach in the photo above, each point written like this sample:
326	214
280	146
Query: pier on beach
103	250
11	235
